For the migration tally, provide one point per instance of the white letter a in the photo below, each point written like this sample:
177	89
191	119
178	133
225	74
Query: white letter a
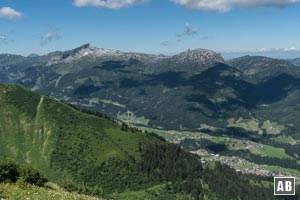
280	187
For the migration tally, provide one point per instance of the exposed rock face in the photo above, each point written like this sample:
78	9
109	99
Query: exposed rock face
197	56
100	53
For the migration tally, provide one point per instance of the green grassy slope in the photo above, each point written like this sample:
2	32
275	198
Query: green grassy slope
65	144
17	192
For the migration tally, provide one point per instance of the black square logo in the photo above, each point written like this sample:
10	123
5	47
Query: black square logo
284	185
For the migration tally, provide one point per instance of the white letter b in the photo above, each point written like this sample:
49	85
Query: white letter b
288	186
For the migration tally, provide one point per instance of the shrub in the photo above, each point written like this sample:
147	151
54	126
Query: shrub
32	176
9	171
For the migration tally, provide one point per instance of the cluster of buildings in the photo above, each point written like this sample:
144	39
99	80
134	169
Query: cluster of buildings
242	165
237	163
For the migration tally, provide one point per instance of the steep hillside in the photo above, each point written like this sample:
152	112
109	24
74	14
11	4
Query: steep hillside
64	143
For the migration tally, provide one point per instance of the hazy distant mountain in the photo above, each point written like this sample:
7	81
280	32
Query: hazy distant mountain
8	59
33	55
257	68
295	61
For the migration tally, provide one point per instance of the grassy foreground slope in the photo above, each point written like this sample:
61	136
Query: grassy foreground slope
65	144
16	192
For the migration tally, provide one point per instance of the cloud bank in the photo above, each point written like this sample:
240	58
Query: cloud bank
9	13
227	5
283	53
111	4
262	50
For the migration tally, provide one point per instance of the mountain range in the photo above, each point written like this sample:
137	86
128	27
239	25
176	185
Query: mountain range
180	92
295	61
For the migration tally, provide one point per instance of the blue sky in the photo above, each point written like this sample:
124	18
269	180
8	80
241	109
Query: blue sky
232	27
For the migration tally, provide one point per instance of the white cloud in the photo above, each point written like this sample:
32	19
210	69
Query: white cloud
291	49
111	4
2	37
283	53
188	30
227	5
165	43
49	36
9	13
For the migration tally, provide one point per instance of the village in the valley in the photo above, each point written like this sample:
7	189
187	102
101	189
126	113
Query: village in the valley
237	163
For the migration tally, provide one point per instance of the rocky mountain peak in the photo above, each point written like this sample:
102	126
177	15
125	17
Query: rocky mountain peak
85	46
198	56
83	51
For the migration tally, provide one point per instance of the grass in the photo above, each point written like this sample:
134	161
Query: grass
105	101
112	103
127	140
153	193
282	169
267	150
162	133
133	119
272	128
247	124
205	126
142	194
246	166
285	139
29	192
